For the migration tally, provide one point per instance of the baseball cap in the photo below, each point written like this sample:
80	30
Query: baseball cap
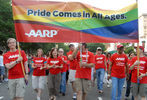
119	46
140	47
99	48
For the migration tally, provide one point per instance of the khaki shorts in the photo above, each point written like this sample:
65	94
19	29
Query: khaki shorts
16	87
83	85
72	74
140	89
38	82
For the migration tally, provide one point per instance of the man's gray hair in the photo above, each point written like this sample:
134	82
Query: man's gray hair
10	39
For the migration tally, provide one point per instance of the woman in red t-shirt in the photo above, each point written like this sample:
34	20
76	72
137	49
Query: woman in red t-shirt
130	56
38	78
139	83
108	57
55	65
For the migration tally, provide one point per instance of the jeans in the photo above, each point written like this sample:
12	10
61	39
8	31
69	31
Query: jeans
117	86
63	82
128	87
100	77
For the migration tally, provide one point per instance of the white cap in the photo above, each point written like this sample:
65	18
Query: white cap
99	48
61	49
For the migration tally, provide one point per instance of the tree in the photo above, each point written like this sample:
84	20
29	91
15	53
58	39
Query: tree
6	22
93	46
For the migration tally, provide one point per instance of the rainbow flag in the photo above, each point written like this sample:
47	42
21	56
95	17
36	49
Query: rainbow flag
50	21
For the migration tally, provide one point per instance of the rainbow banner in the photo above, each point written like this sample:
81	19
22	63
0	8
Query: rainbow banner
49	21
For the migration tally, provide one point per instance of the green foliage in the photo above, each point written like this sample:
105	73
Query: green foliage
6	22
129	50
32	47
93	46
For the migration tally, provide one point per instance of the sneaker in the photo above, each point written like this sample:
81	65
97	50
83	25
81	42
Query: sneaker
100	91
38	98
108	85
99	98
63	94
127	98
6	80
1	97
74	96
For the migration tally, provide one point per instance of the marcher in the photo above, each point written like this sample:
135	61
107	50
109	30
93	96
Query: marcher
139	84
2	68
38	77
130	56
63	71
100	67
54	64
83	71
108	57
72	70
12	61
118	69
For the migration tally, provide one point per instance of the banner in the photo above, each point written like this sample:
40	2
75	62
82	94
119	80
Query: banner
58	22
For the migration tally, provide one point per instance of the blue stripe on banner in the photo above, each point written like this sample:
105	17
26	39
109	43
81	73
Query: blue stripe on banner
127	30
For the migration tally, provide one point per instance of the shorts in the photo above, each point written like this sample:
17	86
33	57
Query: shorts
140	89
16	87
2	70
38	82
72	74
83	85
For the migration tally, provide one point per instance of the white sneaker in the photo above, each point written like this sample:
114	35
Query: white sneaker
38	98
99	98
108	85
1	97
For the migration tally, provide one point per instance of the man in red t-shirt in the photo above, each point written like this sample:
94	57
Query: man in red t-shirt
117	69
16	76
100	67
72	69
85	61
63	71
139	83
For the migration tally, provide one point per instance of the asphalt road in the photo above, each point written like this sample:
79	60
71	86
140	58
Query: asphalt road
30	94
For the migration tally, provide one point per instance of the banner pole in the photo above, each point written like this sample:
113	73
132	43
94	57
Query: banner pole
22	66
138	55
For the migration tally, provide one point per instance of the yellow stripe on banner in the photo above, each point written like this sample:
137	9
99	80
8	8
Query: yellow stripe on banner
21	14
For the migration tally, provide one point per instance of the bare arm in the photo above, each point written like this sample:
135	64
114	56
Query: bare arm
57	66
127	68
132	67
26	67
110	66
50	66
88	65
11	64
105	64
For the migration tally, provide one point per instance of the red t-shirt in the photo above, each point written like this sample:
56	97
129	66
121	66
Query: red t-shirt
108	63
100	61
142	69
73	63
84	72
129	63
118	65
15	72
64	69
56	61
39	62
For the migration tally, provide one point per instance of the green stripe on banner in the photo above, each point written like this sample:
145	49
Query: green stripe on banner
97	23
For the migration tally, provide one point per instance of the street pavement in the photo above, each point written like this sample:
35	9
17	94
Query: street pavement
30	94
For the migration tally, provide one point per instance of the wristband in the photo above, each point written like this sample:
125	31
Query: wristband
16	61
